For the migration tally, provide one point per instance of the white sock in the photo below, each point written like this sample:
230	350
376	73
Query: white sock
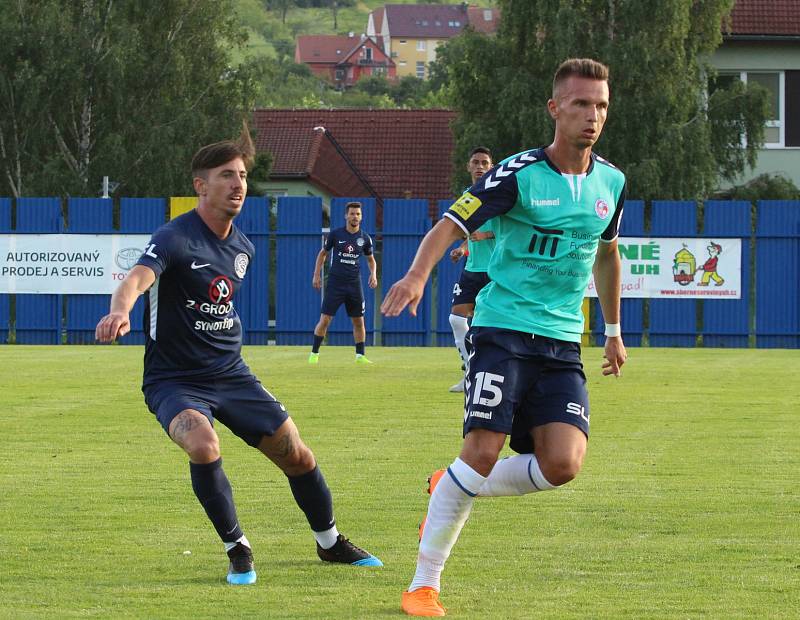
231	545
515	475
460	326
448	510
327	538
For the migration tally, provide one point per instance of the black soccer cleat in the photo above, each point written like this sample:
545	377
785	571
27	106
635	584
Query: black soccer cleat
241	571
345	552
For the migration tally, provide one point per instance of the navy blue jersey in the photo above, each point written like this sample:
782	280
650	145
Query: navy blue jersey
346	249
192	329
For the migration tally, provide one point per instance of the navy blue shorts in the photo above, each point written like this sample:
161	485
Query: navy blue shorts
241	403
468	286
516	382
347	292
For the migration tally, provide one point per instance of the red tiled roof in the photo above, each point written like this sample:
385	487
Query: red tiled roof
426	21
397	151
477	19
764	17
325	47
377	20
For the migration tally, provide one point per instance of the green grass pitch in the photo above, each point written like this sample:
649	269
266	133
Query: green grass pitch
687	506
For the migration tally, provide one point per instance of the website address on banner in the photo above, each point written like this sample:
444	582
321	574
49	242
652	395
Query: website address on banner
699	293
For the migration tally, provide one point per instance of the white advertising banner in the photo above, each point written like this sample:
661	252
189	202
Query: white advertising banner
67	264
679	268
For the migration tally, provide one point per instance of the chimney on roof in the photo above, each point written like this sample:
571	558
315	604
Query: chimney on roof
363	37
351	34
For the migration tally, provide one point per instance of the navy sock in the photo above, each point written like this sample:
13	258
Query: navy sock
359	348
317	343
212	488
314	498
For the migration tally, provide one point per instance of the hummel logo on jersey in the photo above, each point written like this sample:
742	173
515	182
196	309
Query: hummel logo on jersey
508	168
548	202
194	265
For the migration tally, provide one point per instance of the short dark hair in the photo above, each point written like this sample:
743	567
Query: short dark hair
219	153
480	149
580	67
352	205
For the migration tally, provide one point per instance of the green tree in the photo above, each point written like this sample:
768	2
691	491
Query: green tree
407	92
281	6
124	88
664	131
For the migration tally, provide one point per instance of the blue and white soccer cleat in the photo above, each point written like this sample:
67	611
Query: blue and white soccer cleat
345	552
241	571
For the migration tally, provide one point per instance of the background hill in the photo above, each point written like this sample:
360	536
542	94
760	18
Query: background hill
270	36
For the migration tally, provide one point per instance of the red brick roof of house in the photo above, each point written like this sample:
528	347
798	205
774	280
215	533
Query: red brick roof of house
400	153
377	19
426	21
324	47
765	18
477	19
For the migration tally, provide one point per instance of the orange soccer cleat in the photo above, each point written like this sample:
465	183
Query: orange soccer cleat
422	602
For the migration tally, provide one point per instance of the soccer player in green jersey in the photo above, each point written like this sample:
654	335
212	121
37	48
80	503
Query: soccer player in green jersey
555	213
478	249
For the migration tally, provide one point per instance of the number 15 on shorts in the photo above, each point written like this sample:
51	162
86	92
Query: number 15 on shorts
487	391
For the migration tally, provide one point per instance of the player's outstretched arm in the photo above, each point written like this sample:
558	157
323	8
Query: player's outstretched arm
408	290
608	281
117	322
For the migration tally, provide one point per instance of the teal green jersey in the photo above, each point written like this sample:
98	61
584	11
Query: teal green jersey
547	227
480	251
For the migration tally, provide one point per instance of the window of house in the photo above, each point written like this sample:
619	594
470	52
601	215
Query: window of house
781	129
772	83
403	63
421	70
339	75
403	41
378	70
487	15
368	53
421	45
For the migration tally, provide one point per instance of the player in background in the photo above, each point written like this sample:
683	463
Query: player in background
478	249
193	370
556	213
346	245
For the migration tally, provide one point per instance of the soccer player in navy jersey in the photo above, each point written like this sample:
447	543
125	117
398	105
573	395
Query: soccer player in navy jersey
346	245
555	213
194	373
478	249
